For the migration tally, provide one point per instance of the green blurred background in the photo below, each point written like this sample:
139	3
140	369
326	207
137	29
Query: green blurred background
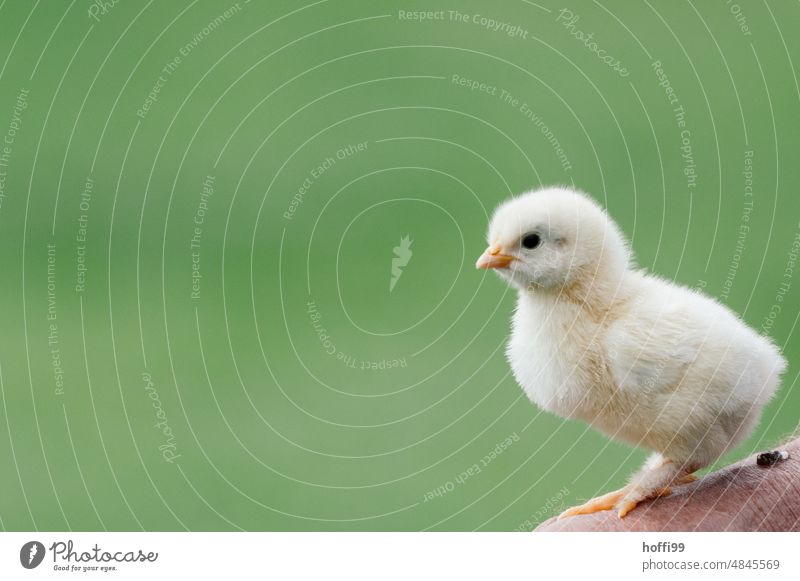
199	331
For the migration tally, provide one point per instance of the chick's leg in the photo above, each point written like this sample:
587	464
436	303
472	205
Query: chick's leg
605	502
652	481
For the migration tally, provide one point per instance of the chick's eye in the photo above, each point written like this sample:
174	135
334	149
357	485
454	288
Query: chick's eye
531	241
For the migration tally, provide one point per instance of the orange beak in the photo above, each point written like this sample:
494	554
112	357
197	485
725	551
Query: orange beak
492	258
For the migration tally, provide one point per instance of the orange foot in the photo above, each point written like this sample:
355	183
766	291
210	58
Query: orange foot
628	505
605	502
615	500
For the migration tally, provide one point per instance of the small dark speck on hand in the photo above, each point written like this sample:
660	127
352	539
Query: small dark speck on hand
771	458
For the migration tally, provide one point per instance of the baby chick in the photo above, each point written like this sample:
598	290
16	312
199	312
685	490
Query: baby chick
639	358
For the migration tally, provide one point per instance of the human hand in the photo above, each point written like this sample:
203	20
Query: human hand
739	497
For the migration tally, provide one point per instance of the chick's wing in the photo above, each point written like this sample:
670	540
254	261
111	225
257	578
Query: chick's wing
651	347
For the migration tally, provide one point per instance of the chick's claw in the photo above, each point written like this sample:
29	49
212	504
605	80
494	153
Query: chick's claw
605	502
632	500
626	506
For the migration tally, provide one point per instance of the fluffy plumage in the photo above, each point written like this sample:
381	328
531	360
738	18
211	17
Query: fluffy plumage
641	359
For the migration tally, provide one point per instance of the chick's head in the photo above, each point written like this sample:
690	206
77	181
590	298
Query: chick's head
554	238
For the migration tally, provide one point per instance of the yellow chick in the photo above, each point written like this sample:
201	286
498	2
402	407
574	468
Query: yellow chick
641	359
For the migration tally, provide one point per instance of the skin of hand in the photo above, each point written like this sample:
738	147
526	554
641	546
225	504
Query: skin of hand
739	497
